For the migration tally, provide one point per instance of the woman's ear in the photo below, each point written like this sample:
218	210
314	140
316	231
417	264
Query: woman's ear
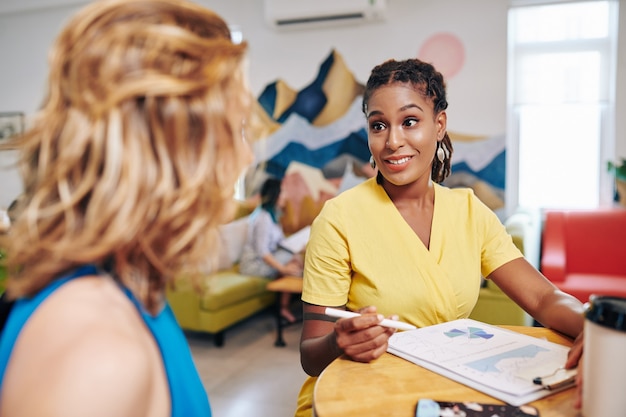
442	123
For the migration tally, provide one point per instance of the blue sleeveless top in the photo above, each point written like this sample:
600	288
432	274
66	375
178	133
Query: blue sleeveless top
188	396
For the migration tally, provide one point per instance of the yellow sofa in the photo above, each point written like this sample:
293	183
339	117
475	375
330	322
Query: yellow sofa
493	305
225	297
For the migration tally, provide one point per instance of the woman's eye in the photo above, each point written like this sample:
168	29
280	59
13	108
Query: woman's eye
410	122
377	126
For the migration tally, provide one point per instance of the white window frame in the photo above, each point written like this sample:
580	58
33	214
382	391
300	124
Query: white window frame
608	50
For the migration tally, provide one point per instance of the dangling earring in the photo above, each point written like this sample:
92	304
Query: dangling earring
441	154
372	162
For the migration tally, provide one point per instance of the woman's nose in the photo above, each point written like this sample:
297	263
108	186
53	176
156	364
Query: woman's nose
395	139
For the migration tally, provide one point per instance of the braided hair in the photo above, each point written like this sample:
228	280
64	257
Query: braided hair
430	83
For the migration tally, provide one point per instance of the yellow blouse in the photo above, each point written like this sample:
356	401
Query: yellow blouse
362	252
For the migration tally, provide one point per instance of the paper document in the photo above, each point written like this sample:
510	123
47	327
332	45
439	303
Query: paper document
296	242
496	361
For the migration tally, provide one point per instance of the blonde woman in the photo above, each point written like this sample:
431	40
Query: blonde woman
128	169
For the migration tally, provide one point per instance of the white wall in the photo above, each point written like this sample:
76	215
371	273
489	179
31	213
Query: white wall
477	94
620	104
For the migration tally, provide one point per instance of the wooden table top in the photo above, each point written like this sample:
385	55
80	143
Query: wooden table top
391	386
286	284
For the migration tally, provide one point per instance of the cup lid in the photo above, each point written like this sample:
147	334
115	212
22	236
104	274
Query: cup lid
607	311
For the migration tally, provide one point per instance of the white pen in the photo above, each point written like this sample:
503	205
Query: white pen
345	314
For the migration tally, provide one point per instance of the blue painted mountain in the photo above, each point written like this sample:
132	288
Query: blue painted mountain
327	98
484	159
308	103
322	126
298	140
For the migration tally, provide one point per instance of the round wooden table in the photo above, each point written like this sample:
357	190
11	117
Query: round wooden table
391	386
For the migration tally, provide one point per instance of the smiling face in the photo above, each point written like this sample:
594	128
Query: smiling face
403	132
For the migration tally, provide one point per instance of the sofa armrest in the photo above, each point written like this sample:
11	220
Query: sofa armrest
524	226
553	254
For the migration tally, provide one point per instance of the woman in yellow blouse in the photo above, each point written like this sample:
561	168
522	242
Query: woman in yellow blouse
403	246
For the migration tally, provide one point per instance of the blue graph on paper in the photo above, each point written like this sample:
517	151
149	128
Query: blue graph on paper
490	363
471	333
490	356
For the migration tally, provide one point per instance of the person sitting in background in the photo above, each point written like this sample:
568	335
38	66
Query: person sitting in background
129	169
262	255
403	246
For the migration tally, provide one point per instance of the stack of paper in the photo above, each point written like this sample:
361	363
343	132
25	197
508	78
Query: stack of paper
496	361
296	242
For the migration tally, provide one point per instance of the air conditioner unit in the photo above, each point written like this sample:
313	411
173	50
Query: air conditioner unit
292	14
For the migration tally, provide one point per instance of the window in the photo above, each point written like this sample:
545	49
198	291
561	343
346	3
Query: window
561	83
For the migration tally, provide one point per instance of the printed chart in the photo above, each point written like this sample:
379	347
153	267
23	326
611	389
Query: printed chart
497	361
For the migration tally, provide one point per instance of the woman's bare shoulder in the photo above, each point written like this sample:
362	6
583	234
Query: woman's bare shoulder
83	352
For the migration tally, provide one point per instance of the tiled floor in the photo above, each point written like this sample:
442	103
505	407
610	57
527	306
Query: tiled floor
249	376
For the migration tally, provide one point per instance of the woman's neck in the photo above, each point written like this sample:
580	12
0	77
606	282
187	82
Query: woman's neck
418	194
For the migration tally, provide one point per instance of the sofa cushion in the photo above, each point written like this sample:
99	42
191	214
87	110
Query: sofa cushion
229	287
595	241
582	286
583	251
232	237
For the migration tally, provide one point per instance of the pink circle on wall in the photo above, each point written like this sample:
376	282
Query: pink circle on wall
445	51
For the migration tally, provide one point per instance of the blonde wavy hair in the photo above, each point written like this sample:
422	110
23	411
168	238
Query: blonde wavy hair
132	160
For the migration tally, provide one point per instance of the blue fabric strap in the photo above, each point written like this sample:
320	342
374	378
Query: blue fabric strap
187	392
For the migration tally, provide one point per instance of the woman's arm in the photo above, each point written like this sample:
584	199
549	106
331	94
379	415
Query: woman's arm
265	234
547	304
323	340
290	268
539	297
327	282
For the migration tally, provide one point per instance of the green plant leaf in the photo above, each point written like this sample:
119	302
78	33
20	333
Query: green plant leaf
619	170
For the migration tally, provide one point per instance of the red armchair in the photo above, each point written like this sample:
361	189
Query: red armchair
584	251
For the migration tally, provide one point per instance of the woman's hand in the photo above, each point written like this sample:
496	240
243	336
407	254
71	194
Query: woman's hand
575	353
324	338
578	401
575	359
291	269
361	338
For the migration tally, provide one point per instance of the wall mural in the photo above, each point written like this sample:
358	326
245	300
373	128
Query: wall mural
316	140
445	51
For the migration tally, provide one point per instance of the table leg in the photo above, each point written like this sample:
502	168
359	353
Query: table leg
280	342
